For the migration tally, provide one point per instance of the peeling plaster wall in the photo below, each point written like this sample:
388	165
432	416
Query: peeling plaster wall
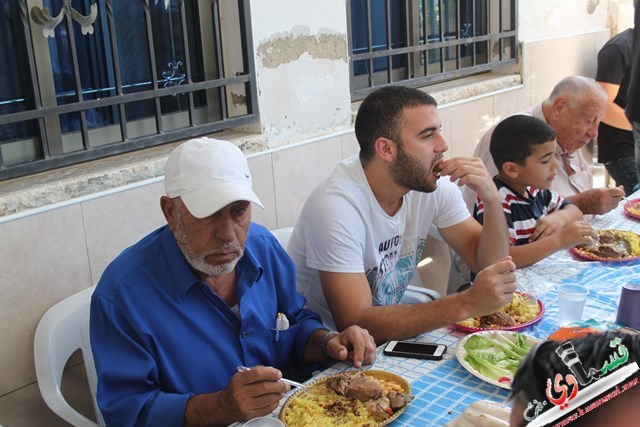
302	67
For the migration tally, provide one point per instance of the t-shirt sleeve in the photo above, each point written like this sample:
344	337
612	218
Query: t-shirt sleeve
555	201
334	235
611	66
450	205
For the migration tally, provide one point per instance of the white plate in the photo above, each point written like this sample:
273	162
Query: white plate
461	353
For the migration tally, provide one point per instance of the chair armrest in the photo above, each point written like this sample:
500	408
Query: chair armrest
416	295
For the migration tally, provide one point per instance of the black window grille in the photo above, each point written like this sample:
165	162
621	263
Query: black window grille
87	79
421	42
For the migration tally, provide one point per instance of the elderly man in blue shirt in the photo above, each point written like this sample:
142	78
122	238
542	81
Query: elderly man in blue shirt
174	315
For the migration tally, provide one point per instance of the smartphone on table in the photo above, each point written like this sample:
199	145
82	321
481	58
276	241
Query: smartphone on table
418	350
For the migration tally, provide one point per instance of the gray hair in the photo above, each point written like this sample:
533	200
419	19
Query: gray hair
576	89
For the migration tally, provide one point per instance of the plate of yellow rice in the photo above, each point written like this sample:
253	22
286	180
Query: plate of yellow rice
632	208
624	247
524	310
328	409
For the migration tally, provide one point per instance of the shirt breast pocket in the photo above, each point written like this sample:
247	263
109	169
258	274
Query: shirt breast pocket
282	346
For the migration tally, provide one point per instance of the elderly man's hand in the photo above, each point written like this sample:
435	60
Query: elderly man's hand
252	393
598	200
354	344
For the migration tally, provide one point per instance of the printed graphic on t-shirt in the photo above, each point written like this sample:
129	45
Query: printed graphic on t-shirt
390	279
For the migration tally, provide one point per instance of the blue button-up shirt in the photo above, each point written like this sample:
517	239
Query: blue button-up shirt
159	334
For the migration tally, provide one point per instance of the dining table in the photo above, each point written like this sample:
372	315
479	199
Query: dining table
443	389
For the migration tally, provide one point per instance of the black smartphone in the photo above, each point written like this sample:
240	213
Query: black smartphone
418	350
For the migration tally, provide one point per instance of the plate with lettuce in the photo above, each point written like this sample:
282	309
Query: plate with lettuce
494	356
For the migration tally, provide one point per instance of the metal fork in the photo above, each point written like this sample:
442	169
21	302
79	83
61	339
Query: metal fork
313	390
292	383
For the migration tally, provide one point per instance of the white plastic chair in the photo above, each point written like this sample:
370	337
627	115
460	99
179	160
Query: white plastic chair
63	329
414	294
283	235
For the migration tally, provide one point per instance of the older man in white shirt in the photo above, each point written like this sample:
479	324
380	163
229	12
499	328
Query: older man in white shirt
573	109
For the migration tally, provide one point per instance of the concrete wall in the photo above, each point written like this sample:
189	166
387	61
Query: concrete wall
302	67
305	111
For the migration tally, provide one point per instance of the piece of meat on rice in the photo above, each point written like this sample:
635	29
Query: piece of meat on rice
357	386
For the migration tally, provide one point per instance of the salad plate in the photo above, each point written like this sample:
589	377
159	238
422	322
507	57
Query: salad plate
496	368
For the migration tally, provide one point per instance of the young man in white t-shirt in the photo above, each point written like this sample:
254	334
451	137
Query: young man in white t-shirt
362	232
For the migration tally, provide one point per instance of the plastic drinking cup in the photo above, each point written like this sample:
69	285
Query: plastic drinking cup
571	299
629	306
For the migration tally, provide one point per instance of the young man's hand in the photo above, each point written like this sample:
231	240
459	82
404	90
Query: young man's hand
470	171
493	287
354	345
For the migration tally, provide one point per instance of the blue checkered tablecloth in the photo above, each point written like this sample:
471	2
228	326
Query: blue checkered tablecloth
443	389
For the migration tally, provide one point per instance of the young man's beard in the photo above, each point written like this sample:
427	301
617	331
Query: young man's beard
410	173
198	261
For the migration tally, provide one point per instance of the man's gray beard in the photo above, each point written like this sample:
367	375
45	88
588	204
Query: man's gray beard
410	173
198	262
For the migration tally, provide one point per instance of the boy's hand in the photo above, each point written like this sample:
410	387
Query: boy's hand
577	233
547	225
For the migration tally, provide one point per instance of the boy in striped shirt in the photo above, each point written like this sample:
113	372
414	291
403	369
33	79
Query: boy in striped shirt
540	221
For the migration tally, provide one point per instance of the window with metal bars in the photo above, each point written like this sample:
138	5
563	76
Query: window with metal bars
421	42
87	79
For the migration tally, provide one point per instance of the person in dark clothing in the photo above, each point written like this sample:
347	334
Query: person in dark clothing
633	95
615	140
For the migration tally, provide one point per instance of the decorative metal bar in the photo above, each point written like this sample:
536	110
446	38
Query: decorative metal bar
458	34
246	36
217	35
387	24
113	42
76	73
441	28
350	47
425	35
431	46
130	97
249	62
152	63
37	96
42	17
187	58
124	147
407	35
369	43
473	33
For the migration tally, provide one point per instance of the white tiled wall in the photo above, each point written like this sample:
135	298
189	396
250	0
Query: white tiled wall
47	257
465	123
130	214
297	171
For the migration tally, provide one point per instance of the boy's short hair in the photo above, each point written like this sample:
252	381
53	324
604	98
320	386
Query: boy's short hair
513	139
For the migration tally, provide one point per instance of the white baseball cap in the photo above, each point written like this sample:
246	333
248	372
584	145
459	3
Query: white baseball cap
208	174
